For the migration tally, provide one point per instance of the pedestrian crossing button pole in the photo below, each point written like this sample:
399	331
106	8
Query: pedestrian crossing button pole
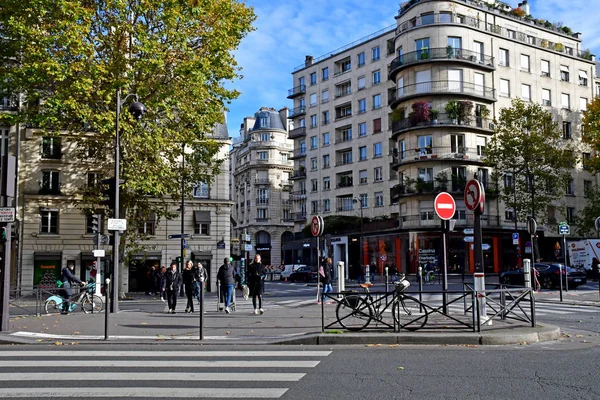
341	275
106	307
527	272
201	321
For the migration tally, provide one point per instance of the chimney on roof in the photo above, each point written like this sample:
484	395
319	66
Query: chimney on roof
308	61
525	7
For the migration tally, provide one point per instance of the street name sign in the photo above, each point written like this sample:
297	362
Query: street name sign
115	224
7	214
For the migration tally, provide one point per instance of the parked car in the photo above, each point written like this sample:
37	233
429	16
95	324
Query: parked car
548	274
304	274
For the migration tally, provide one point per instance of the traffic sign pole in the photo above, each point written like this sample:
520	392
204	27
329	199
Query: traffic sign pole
474	199
445	207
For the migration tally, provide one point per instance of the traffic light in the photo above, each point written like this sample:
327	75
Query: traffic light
96	223
3	234
179	260
108	193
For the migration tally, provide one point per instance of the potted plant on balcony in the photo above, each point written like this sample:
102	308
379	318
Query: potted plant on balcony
420	112
465	115
424	53
450	51
452	110
442	181
559	47
433	115
398	114
409	185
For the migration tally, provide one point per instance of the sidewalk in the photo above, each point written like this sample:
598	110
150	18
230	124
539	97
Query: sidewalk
278	325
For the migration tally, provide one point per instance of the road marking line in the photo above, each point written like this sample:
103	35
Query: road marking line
141	376
176	353
166	392
166	363
155	337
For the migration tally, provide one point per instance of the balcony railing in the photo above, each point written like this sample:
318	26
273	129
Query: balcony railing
262	181
456	153
262	201
344	184
8	103
297	132
443	87
419	186
442	119
298	217
299	174
296	91
440	53
295	112
299	153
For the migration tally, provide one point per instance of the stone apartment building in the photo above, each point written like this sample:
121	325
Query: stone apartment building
54	231
261	168
356	147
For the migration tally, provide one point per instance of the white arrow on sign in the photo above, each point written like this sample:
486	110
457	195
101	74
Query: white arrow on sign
468	231
469	239
485	246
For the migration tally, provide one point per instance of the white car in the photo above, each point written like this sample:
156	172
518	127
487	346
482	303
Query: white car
289	269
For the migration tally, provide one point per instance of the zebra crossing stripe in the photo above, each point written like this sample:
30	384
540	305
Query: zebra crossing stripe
148	392
170	354
167	364
140	376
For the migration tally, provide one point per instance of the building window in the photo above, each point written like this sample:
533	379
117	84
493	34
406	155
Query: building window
326	139
314	206
313	121
314	165
201	190
262	155
325	74
511	33
376	101
326	205
347	157
362	106
261	213
49	221
525	63
346	134
50	183
565	101
508	214
583	103
147	227
343	111
326	161
587	188
361	59
504	87
362	82
362	153
564	73
313	99
313	78
566	130
326	183
525	92
51	147
92	179
545	67
570	188
325	96
362	129
503	57
362	177
546	97
585	158
378	174
378	199
571	215
376	77
376	53
325	117
377	125
314	183
377	150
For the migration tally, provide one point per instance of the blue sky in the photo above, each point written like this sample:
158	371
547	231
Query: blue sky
288	31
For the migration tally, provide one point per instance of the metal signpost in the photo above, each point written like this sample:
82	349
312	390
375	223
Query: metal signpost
474	201
316	228
564	229
445	207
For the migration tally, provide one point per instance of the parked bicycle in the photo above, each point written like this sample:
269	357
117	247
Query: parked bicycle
356	311
88	300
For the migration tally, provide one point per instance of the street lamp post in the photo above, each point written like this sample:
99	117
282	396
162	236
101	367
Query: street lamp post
138	110
359	201
182	204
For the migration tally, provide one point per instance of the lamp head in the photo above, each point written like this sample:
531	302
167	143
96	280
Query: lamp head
138	110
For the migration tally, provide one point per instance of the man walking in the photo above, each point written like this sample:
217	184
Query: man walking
226	277
172	281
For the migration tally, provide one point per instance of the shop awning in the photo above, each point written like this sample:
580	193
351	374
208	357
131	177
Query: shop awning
583	74
564	68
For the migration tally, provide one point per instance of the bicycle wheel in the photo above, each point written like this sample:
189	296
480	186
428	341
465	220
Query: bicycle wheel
92	302
354	313
408	314
52	307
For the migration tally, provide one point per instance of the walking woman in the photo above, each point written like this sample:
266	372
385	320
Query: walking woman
326	274
189	283
254	278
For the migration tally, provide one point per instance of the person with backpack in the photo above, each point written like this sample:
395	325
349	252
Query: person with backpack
325	274
172	281
226	277
67	278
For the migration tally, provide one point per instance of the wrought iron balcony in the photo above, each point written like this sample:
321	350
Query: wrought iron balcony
297	132
444	87
441	120
298	111
296	91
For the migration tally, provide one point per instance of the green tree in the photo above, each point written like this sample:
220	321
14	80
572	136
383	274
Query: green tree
528	144
586	217
67	58
591	127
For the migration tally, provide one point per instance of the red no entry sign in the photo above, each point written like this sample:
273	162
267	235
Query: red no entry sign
444	205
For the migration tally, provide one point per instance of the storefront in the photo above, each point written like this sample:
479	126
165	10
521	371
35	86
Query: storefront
140	265
265	253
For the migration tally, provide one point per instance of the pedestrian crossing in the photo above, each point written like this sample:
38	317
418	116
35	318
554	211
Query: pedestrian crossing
162	373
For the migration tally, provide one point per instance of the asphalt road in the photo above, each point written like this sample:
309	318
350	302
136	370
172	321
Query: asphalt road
559	370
